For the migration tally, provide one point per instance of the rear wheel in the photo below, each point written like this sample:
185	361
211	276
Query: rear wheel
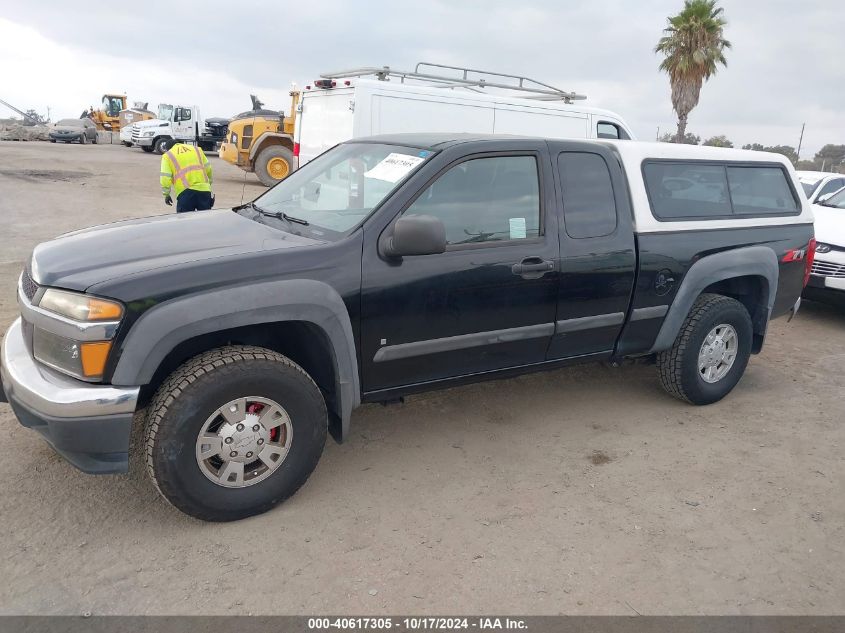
96	139
273	164
710	353
83	139
233	432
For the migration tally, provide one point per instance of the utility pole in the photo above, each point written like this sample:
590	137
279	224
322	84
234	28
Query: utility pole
800	140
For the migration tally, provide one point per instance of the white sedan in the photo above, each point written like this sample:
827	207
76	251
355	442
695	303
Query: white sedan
817	184
827	277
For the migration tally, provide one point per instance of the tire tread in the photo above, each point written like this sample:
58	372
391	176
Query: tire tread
670	362
177	383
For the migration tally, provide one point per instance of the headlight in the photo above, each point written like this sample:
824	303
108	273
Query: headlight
85	358
150	133
80	307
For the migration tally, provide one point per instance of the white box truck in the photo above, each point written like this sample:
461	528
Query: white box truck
435	98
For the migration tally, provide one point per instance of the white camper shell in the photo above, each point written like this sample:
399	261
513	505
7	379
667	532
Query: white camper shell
346	105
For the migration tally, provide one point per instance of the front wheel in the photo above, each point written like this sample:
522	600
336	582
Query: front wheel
127	143
233	432
710	353
83	139
147	148
160	144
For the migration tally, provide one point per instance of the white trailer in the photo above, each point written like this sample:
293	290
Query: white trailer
345	105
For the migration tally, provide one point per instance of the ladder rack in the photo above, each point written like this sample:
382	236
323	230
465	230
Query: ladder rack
469	78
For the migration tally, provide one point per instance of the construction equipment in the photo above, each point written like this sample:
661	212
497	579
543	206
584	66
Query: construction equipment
108	118
261	141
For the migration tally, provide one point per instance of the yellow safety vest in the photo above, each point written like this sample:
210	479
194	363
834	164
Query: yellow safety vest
185	167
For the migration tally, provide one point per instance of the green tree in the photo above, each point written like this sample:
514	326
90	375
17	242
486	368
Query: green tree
786	150
693	47
718	141
688	139
831	156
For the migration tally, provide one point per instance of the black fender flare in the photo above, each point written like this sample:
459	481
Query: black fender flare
740	262
161	328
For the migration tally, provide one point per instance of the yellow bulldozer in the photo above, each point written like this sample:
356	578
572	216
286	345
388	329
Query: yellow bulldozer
261	141
108	118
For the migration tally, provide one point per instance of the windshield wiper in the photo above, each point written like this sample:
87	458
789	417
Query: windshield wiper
279	215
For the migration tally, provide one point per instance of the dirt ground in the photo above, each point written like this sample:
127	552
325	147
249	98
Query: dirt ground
584	490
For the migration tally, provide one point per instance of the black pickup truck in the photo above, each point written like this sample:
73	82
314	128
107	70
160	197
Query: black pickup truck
389	266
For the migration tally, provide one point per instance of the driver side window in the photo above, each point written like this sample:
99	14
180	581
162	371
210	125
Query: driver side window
485	200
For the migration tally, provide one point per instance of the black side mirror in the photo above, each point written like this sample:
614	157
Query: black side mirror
416	235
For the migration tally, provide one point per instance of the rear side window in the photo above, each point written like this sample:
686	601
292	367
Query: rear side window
589	209
760	191
687	190
679	190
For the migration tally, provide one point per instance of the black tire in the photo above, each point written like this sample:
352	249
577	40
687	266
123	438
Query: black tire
147	148
192	393
263	161
127	143
52	140
83	139
678	366
96	139
160	144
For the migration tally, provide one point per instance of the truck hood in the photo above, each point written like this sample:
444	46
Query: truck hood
79	260
829	225
151	123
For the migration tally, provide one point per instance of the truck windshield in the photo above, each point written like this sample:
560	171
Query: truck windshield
336	191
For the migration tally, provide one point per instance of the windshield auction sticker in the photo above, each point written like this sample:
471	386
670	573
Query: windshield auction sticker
394	167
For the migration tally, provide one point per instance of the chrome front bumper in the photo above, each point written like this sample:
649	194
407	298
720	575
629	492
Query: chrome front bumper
87	424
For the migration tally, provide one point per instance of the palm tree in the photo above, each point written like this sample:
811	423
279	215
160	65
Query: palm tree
693	46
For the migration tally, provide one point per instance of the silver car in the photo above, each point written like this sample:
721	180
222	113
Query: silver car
69	130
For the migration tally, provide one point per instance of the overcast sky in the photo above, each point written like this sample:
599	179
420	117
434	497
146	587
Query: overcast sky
785	69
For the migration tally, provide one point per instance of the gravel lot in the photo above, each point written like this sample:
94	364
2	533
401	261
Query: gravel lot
585	490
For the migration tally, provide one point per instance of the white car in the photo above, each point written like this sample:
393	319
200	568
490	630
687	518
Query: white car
820	183
827	276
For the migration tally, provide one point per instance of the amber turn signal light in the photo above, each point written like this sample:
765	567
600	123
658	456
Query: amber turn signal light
94	356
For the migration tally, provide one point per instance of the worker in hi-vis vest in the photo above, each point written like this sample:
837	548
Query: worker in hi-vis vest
187	170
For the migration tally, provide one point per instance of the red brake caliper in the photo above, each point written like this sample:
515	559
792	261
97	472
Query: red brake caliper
257	408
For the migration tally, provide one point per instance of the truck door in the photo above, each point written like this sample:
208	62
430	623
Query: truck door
598	253
183	122
489	301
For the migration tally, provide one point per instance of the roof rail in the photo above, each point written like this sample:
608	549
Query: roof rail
462	78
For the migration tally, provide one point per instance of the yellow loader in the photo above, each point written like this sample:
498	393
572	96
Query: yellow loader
261	141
